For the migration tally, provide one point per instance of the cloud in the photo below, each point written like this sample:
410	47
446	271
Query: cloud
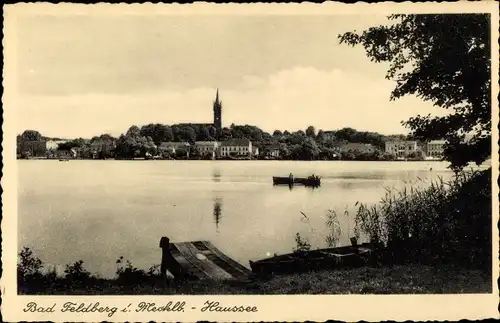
290	99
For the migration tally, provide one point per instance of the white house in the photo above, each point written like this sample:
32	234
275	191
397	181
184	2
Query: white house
274	151
206	147
236	147
401	148
434	148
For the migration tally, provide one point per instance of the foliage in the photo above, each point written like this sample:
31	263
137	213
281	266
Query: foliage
133	144
128	274
29	266
76	273
333	225
302	245
75	143
186	134
447	220
158	132
307	150
311	131
449	67
31	135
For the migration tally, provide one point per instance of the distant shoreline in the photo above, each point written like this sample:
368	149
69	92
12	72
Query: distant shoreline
235	160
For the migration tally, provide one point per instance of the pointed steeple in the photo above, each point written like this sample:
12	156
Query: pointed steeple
217	112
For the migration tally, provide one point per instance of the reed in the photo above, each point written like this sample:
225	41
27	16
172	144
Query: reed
446	220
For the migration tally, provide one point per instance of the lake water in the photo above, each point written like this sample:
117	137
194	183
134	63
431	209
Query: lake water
97	211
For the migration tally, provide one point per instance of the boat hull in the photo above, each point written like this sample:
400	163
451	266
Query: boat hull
331	258
296	181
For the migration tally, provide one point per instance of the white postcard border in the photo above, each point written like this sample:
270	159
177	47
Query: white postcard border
270	308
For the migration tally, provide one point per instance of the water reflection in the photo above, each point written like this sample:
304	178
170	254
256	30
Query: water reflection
217	212
216	175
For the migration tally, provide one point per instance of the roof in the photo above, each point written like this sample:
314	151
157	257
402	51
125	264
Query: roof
274	146
437	142
236	142
357	146
174	144
205	143
400	141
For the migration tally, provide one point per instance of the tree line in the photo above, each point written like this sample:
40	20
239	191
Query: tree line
307	144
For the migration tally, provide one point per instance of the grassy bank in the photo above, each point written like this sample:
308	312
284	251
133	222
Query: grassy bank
404	279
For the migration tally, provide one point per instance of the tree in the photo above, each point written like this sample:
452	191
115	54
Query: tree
203	134
320	137
106	137
284	151
186	134
79	142
448	66
225	134
296	138
163	133
307	150
277	133
347	134
133	131
213	132
311	132
31	135
158	132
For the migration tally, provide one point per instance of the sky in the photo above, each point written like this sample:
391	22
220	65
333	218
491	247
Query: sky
81	76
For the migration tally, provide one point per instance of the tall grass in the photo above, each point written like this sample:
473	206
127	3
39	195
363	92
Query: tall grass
447	221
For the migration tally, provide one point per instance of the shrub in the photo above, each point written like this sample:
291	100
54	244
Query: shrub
76	274
302	245
127	274
29	267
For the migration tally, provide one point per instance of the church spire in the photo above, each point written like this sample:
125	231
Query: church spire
217	113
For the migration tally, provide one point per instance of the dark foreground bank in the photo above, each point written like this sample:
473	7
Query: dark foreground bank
403	279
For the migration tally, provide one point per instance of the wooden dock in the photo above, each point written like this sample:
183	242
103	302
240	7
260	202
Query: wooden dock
199	260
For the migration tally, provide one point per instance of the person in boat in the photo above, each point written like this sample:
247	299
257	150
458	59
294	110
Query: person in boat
290	177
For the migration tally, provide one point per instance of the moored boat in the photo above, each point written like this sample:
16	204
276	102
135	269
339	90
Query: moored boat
330	258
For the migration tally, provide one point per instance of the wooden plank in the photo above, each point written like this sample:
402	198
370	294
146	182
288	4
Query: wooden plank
208	264
186	265
245	272
230	261
209	268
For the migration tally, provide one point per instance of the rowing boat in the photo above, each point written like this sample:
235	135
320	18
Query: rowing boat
306	181
330	258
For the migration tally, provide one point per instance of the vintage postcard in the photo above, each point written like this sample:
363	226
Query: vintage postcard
250	162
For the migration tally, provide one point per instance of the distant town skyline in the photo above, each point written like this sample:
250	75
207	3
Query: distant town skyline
81	76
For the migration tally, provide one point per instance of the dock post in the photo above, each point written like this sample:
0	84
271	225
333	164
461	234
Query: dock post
165	255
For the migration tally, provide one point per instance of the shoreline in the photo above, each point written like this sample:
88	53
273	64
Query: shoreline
235	160
395	279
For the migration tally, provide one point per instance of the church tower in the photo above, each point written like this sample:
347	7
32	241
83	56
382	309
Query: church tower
217	113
